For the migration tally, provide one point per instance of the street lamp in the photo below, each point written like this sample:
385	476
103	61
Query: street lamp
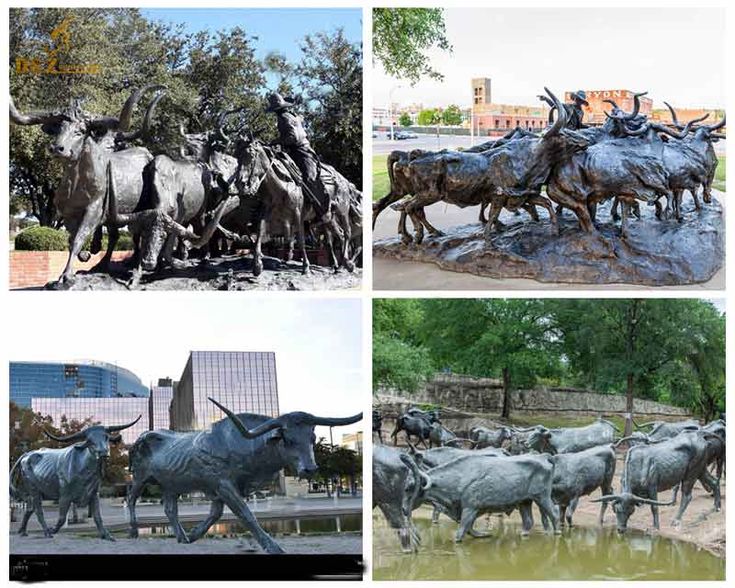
390	108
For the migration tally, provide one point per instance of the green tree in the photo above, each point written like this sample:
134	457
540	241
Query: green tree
668	350
514	339
398	360
405	120
429	116
330	77
452	115
401	38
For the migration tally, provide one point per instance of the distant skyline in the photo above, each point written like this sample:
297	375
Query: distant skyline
676	54
317	342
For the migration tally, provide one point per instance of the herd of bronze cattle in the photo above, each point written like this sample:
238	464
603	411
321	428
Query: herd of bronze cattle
503	468
629	159
237	188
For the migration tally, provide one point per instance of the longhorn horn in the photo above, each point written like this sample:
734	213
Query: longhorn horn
261	429
612	103
145	128
126	114
116	428
32	118
72	437
645	439
674	118
671	133
336	422
636	106
717	125
561	119
650	501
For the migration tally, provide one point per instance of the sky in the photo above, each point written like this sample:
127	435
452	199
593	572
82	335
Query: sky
676	54
277	29
317	342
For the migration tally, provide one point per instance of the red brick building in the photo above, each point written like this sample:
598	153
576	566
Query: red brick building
595	112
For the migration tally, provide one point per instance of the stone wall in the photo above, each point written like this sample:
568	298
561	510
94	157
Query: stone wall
464	394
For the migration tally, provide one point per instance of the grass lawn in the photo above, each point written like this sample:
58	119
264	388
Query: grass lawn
381	184
719	183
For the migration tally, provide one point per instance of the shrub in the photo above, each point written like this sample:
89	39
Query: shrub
41	239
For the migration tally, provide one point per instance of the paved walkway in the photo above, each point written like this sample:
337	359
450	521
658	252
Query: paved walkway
115	516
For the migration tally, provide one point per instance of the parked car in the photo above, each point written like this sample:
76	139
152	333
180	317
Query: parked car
402	135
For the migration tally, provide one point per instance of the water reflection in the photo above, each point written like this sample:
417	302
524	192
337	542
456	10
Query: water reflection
309	525
581	554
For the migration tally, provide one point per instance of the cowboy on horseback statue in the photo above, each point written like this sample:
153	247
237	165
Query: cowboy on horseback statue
293	139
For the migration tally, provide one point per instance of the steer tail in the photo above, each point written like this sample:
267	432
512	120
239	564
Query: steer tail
393	194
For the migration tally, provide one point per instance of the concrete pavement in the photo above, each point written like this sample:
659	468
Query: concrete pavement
115	515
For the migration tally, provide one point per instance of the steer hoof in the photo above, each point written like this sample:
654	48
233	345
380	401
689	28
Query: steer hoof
258	268
108	537
133	534
48	533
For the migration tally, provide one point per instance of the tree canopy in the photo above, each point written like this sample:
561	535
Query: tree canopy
670	350
401	38
204	73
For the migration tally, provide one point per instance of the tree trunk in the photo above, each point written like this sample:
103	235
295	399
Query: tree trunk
629	406
505	413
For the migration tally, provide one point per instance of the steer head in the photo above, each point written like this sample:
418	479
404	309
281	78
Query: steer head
521	167
71	127
624	506
96	438
540	440
293	435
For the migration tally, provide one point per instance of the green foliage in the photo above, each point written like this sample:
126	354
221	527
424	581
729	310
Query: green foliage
719	182
669	350
401	37
452	115
399	365
405	120
381	181
430	116
41	239
330	76
204	73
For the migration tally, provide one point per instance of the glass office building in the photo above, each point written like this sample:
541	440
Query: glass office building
83	379
160	405
105	411
243	381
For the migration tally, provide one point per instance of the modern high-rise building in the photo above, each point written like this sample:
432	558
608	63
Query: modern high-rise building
160	404
105	411
79	379
243	381
101	392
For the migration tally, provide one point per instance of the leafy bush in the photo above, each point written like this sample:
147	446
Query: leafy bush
47	239
41	239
